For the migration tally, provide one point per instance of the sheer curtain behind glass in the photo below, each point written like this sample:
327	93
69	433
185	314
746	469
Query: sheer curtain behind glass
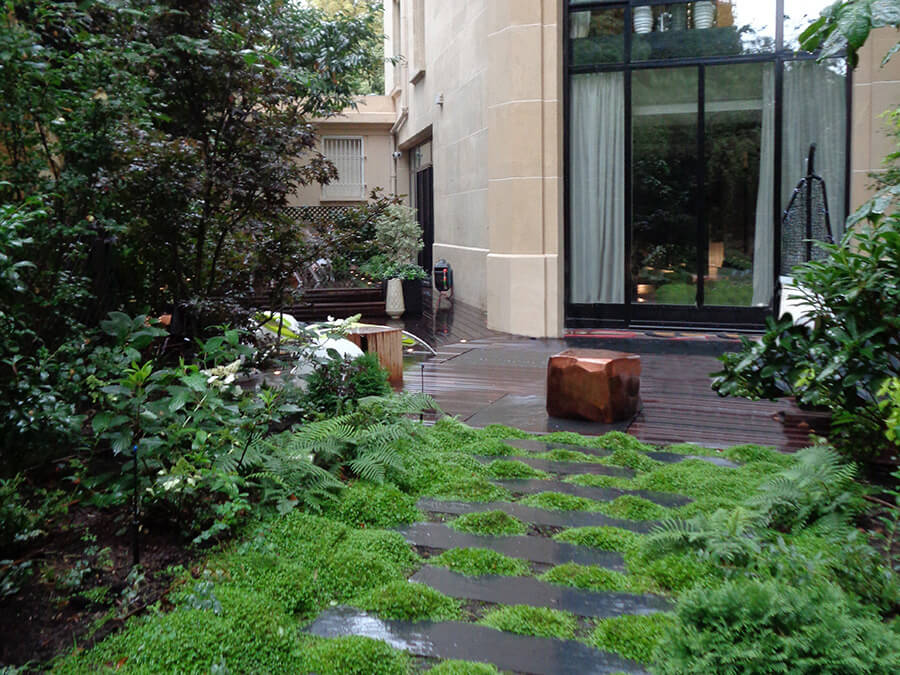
764	235
597	188
815	111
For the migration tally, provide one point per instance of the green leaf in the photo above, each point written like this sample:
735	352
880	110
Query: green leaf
106	420
855	23
180	397
885	13
196	381
891	52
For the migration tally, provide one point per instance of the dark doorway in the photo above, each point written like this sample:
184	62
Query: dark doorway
425	215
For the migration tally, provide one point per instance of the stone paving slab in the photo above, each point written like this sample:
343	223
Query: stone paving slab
600	494
565	468
534	549
456	640
665	457
535	593
535	516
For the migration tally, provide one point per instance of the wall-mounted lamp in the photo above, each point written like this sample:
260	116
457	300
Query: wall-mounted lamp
439	100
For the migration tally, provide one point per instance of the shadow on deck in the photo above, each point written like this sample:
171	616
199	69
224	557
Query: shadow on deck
485	377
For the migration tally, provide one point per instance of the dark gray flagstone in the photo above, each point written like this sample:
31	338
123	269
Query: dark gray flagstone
530	514
455	640
565	468
536	593
535	549
666	457
531	487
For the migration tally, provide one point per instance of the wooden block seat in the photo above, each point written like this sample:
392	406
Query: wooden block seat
386	342
594	384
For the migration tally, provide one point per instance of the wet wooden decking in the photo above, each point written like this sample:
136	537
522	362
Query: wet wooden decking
466	378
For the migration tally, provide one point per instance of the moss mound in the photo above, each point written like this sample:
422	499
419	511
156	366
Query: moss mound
476	562
489	522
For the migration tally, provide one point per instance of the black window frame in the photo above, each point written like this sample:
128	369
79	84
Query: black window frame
632	314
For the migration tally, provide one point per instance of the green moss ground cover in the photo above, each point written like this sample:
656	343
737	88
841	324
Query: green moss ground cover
495	523
538	621
247	611
476	562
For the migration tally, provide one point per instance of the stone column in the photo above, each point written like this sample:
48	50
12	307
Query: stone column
524	120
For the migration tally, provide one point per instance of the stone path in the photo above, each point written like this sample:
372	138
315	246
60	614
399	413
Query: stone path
512	652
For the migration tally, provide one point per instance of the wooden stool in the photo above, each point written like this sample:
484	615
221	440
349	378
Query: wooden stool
594	384
386	343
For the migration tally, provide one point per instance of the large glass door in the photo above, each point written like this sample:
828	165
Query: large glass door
687	123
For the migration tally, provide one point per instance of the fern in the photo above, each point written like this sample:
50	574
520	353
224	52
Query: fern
819	484
727	536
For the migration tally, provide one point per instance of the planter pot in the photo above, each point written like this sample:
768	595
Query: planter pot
704	13
643	19
393	303
412	296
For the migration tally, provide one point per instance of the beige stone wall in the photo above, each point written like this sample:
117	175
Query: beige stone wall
372	119
875	90
487	92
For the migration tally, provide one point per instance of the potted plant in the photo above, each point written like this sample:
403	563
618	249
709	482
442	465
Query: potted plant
399	238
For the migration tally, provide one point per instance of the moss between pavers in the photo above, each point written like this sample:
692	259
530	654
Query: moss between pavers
406	601
631	507
562	455
556	501
631	459
351	656
475	562
606	538
590	578
633	637
374	505
506	469
494	523
537	621
463	668
592	480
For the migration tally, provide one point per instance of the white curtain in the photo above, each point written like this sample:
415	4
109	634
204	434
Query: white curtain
597	188
764	235
815	111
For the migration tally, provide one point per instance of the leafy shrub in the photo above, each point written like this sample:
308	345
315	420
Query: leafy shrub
407	601
379	506
634	637
771	627
337	384
398	234
525	620
490	523
844	358
476	562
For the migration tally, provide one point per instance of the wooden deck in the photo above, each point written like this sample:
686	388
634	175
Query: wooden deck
467	378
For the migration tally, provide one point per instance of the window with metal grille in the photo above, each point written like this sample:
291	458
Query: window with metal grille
346	153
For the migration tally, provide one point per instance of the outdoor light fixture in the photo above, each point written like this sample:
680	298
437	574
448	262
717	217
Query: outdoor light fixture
443	276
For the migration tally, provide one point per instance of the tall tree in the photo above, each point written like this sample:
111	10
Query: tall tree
371	76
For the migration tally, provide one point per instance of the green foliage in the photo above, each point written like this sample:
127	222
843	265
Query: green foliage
382	266
526	620
632	459
594	579
890	407
472	488
379	506
495	523
634	637
487	447
633	508
696	478
476	562
772	627
818	485
408	601
845	26
352	656
557	501
849	352
562	455
506	470
606	538
398	233
337	385
600	481
463	668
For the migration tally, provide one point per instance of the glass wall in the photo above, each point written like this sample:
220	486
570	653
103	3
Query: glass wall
688	127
